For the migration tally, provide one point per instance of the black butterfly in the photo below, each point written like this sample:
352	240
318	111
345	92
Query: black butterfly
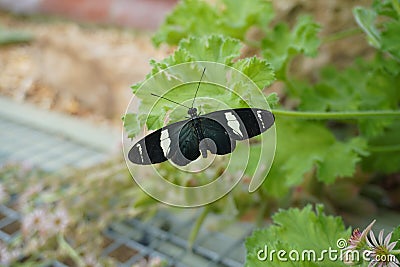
217	132
183	141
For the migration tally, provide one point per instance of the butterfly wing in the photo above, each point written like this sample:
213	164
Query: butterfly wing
187	146
158	146
243	123
214	130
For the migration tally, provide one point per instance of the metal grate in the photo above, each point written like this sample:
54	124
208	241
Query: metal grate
165	235
21	143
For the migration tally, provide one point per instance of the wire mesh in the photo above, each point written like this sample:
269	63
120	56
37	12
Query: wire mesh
131	241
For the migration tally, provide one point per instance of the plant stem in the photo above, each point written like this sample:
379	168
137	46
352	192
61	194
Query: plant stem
197	226
263	208
336	115
387	148
341	35
69	250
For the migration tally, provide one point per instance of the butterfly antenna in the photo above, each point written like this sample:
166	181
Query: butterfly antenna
170	100
204	70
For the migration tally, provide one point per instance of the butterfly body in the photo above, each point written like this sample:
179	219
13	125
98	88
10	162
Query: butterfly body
217	132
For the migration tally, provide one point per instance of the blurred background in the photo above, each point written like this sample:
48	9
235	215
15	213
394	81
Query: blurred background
85	67
80	57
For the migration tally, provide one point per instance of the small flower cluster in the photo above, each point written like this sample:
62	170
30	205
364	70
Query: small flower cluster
63	215
7	255
44	222
379	252
153	262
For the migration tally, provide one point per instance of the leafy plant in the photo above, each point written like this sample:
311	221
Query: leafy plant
284	243
363	99
339	140
288	233
228	17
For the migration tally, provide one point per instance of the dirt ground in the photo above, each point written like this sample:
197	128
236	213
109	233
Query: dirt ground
83	70
87	70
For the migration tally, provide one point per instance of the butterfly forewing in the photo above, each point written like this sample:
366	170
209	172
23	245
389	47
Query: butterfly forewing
243	123
158	146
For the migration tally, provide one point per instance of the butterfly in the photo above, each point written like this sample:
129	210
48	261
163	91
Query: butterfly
184	141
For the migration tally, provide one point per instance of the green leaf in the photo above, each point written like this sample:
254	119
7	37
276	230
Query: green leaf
198	18
275	46
305	36
215	48
238	16
189	17
368	85
299	152
396	238
386	8
258	70
299	230
131	124
337	91
391	38
281	44
341	159
179	56
385	151
365	18
273	100
276	184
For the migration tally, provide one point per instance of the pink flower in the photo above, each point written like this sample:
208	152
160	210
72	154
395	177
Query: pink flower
153	262
90	261
34	222
28	195
156	262
358	239
381	251
58	221
7	256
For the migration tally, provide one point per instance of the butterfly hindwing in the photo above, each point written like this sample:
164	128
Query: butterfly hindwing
214	130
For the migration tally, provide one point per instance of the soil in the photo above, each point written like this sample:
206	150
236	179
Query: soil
79	69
